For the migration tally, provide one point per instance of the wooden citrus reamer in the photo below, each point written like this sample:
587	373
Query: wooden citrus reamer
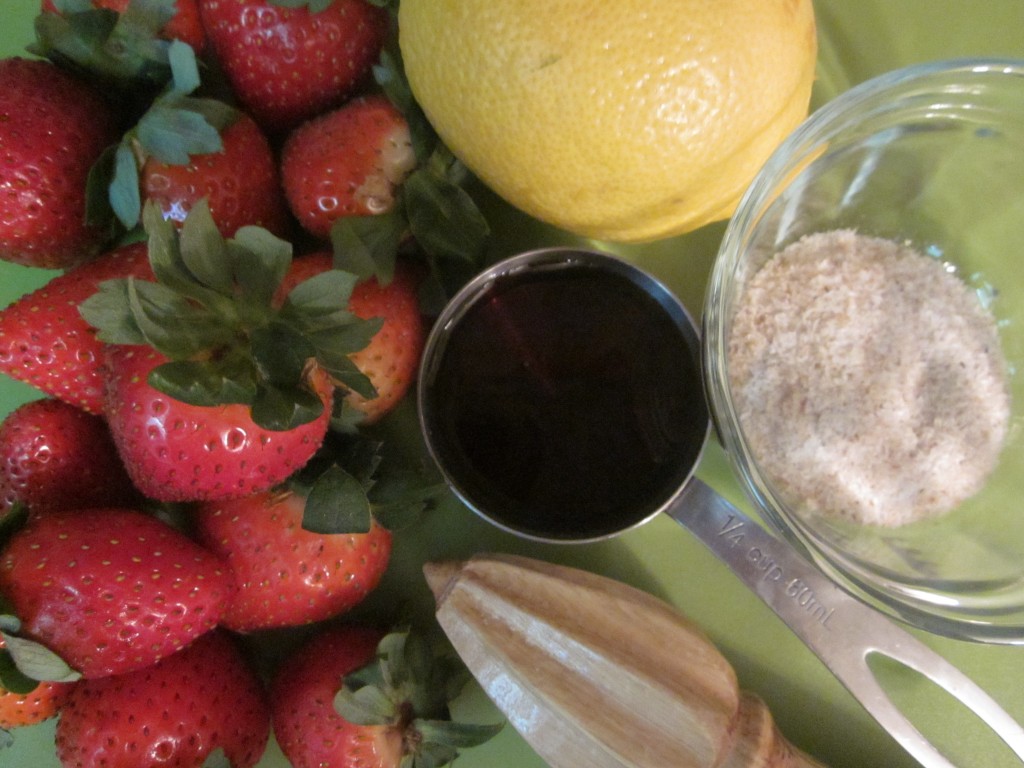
594	672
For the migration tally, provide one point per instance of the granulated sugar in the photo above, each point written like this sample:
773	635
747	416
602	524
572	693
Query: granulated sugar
868	380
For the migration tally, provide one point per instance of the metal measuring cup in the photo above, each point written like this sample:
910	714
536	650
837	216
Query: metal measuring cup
458	367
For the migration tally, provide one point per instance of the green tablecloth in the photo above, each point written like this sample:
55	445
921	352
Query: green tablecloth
858	39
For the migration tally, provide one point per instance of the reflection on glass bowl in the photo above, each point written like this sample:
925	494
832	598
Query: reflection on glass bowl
931	157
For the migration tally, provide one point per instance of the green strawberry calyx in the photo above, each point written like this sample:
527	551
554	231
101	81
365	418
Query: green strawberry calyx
24	663
125	52
352	481
408	688
216	314
122	50
176	126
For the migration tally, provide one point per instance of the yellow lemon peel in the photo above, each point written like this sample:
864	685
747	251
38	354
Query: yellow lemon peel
626	121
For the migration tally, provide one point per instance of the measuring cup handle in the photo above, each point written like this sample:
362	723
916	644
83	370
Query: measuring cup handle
842	631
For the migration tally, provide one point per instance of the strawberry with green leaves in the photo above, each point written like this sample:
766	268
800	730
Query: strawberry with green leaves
217	388
180	20
53	128
354	697
42	702
107	590
201	706
393	189
177	451
126	47
185	148
182	146
287	61
391	359
25	698
240	182
285	575
56	456
45	342
347	162
24	701
315	547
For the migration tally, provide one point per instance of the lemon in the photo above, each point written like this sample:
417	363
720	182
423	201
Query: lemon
626	121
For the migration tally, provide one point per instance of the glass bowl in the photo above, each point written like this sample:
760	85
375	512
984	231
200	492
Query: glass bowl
931	157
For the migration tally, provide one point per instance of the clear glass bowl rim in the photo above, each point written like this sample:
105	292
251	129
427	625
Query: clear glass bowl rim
877	94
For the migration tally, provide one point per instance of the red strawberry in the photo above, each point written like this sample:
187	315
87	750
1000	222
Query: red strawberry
285	575
185	25
240	183
174	713
53	128
391	359
41	703
348	162
313	731
45	342
287	64
56	456
308	730
111	590
216	386
175	451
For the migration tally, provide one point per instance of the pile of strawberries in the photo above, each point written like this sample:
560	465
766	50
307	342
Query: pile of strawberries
249	220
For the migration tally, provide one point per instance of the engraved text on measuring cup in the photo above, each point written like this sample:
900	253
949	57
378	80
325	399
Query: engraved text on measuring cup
775	573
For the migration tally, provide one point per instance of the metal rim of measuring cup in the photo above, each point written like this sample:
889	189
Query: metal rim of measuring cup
549	260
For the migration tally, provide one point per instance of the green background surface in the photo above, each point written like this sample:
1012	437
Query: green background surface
858	39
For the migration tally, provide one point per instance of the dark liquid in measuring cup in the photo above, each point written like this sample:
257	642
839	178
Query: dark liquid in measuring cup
566	403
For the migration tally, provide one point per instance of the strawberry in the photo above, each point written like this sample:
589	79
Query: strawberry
53	127
182	146
177	451
396	188
216	387
128	48
40	701
178	712
183	25
348	162
286	575
45	342
391	358
320	722
110	590
308	730
56	456
287	62
240	182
